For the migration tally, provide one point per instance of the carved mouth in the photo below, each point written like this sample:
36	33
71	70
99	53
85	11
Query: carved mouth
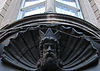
50	54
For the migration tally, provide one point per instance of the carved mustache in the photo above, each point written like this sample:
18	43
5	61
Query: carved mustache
50	54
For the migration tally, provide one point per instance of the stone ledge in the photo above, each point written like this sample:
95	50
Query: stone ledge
3	11
1	18
92	2
6	6
97	13
8	2
94	7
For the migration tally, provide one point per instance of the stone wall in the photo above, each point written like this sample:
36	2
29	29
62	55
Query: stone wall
9	10
95	4
4	4
12	12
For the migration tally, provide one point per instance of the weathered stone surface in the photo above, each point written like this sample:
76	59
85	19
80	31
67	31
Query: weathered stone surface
50	41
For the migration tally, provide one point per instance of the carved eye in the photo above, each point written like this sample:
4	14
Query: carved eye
52	46
46	46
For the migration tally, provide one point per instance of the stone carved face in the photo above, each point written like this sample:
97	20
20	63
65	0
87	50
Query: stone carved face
49	50
49	53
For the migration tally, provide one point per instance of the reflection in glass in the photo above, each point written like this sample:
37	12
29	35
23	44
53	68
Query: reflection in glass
36	11
68	2
66	11
32	2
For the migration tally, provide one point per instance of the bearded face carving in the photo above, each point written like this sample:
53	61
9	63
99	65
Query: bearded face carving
49	49
53	50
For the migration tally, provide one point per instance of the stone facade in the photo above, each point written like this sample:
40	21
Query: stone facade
95	4
4	4
9	12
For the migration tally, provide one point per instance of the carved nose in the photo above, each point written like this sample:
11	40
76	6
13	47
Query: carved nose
49	48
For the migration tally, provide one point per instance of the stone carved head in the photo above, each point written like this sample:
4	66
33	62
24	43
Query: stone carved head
49	50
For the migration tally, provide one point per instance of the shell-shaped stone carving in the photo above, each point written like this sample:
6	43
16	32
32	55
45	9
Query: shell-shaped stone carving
76	51
22	50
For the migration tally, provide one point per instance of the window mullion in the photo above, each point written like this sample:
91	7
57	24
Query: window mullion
35	7
50	6
21	14
79	13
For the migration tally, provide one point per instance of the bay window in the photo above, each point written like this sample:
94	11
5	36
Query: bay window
69	7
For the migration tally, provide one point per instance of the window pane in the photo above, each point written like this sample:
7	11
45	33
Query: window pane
33	7
68	2
66	11
36	11
32	2
70	7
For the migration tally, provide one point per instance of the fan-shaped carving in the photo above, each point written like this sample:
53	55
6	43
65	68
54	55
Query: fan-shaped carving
75	50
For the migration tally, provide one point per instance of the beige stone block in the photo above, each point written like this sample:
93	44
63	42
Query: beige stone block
99	20
2	2
98	3
5	6
90	0
97	13
8	2
3	12
94	8
0	10
8	21
1	18
92	3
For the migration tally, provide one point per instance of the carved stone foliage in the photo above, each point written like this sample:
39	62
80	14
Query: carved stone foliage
50	46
